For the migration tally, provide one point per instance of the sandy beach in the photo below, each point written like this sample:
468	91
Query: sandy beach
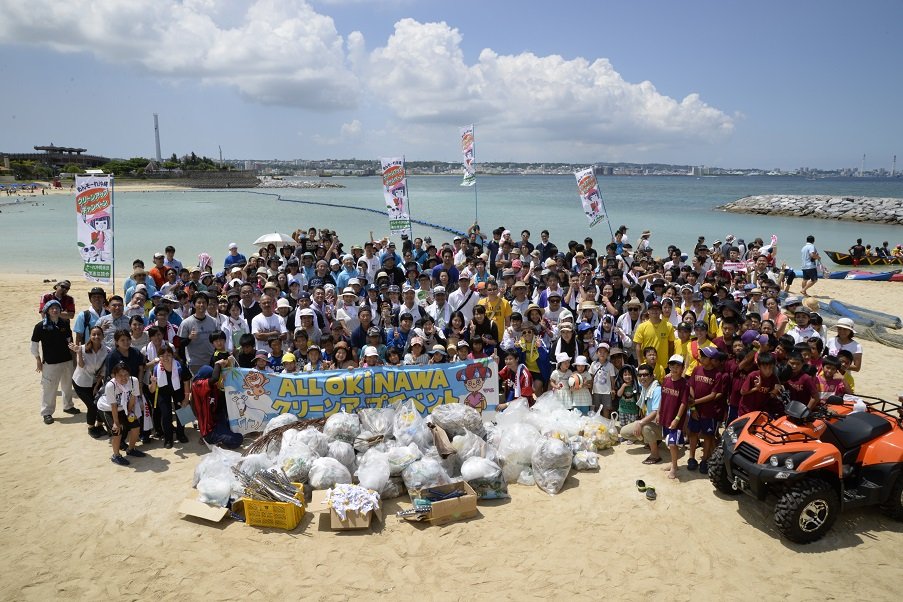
77	527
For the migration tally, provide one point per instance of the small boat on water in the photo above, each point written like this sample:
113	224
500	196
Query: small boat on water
847	259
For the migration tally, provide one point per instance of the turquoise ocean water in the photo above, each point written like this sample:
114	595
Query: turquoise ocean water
677	210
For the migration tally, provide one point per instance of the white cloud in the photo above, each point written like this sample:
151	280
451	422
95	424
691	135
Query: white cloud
276	52
421	74
285	52
348	133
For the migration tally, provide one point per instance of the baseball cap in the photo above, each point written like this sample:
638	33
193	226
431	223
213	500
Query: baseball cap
676	358
232	245
439	290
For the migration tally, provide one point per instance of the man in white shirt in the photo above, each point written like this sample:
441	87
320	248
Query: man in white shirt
266	324
440	310
465	298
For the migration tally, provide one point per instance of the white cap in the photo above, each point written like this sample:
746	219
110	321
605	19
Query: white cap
581	361
370	350
283	303
561	357
676	358
439	289
232	245
333	261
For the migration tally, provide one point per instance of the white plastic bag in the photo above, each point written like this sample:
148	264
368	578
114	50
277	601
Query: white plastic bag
215	490
373	472
551	464
327	472
469	445
516	412
456	418
218	462
518	443
424	473
342	427
315	440
394	488
377	420
252	464
409	427
586	460
344	453
296	459
280	420
485	477
401	457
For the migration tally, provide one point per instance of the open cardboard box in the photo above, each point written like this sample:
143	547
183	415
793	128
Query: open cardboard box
450	510
353	520
197	509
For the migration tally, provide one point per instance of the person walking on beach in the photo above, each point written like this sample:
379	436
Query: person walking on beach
810	259
50	347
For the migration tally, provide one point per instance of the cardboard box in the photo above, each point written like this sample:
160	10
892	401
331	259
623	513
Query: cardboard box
450	510
353	520
192	507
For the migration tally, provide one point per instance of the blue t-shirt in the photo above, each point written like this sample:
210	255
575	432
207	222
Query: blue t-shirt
808	262
237	259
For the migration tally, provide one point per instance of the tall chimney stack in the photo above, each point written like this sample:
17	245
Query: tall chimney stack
157	138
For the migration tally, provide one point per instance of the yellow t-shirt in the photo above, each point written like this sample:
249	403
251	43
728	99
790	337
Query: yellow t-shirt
849	383
498	311
658	335
691	362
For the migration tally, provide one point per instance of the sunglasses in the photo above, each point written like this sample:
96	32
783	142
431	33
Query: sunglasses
643	375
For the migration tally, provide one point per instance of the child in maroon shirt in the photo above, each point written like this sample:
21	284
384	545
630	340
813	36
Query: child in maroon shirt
761	389
675	391
801	386
706	399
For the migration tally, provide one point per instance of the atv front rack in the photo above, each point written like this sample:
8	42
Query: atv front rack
774	435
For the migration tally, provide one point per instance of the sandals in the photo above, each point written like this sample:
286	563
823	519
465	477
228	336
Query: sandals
641	485
650	493
649	490
651	460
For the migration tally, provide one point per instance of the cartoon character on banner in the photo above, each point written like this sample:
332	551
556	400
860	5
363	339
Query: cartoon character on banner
250	419
396	208
591	203
98	249
473	377
255	384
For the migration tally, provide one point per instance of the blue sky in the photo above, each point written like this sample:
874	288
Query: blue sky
734	84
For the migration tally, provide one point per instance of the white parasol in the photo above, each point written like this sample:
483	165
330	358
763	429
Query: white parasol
276	238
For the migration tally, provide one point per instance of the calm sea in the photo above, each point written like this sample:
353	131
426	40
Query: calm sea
677	210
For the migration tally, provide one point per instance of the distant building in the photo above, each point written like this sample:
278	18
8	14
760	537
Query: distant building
60	156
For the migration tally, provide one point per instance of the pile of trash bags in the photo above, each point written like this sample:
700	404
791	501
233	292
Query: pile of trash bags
394	450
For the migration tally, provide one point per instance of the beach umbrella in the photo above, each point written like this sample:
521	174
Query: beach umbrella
275	238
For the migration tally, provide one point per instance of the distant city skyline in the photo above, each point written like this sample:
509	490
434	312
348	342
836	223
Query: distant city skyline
772	86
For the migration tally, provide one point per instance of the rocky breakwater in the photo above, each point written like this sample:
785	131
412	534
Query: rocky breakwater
274	183
850	208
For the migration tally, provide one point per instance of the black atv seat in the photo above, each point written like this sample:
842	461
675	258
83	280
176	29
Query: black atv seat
855	429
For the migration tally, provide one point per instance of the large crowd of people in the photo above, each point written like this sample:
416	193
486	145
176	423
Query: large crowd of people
675	343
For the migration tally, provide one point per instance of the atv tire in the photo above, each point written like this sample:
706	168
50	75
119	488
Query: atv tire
806	510
894	506
718	473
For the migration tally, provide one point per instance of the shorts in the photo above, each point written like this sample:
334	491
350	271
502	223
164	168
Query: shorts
672	436
124	423
810	274
732	413
626	419
536	377
789	276
704	426
603	400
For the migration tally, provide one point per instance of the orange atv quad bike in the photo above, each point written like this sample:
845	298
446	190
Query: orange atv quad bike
816	462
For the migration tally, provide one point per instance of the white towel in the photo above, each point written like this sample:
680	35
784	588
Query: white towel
162	381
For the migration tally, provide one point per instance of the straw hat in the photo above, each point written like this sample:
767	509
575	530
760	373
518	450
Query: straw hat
846	323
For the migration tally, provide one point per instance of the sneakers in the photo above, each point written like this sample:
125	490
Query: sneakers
692	464
48	419
97	432
73	410
704	467
123	445
135	453
167	445
117	459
